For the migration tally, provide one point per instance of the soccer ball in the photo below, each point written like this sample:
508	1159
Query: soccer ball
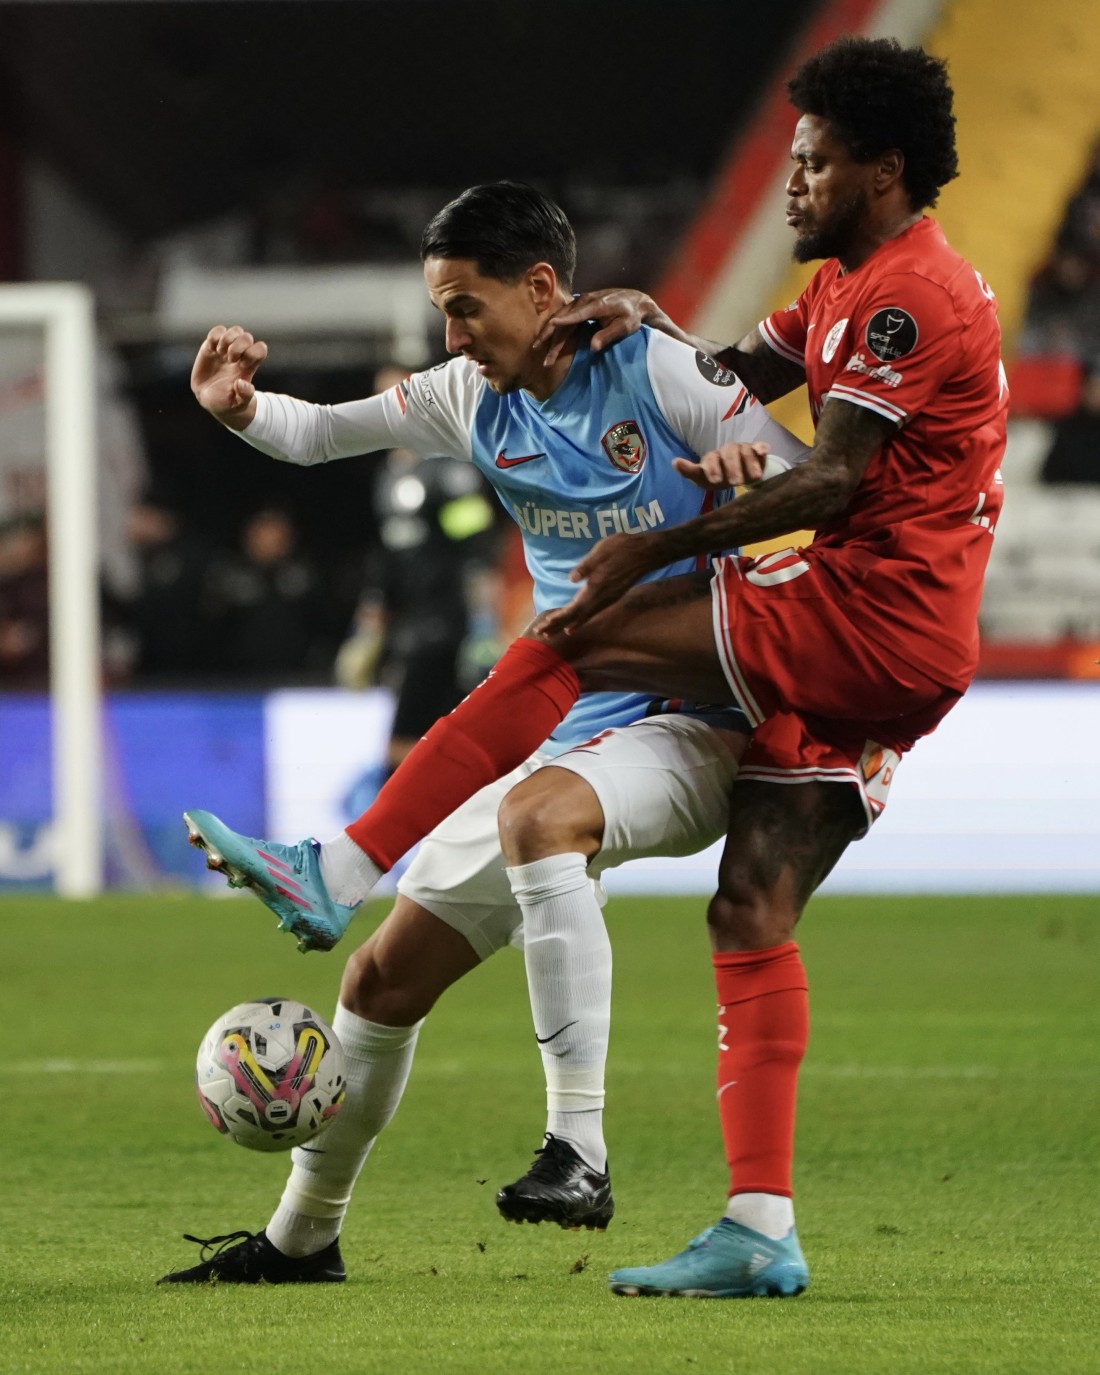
270	1074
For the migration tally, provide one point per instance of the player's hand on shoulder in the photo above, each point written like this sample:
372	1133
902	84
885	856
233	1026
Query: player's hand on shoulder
617	312
221	377
732	465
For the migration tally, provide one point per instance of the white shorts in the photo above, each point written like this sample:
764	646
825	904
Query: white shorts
663	785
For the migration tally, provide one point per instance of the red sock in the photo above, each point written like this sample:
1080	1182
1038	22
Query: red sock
491	732
763	1026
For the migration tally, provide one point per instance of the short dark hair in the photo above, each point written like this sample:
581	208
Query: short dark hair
877	95
504	227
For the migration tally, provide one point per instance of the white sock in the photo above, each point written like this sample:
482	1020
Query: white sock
568	958
770	1214
316	1197
349	874
583	1131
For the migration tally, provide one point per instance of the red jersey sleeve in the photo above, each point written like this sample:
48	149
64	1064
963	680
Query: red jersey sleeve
906	339
785	331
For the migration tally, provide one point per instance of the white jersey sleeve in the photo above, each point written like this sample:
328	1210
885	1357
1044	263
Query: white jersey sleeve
709	405
430	413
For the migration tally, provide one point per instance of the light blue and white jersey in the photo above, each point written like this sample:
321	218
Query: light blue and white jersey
595	459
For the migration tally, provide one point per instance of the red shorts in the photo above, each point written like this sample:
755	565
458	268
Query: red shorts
827	704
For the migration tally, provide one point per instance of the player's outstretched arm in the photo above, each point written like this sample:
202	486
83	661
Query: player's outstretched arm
221	377
621	311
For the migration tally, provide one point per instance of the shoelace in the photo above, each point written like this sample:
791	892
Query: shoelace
216	1245
544	1166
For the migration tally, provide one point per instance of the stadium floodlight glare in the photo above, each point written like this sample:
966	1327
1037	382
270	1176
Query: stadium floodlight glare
64	311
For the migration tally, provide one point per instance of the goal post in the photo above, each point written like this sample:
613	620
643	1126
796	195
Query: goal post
64	311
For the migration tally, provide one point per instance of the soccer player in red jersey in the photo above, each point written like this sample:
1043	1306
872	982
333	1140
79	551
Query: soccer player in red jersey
845	652
842	654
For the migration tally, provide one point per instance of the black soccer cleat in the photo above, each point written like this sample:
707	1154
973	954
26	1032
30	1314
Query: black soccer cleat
255	1261
559	1187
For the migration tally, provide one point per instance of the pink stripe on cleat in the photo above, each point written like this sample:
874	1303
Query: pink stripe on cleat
284	868
283	877
293	897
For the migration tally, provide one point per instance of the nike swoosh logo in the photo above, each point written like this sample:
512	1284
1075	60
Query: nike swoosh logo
542	1040
503	462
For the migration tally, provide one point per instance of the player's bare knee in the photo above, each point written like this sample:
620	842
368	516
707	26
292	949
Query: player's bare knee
355	967
370	990
361	981
553	812
533	828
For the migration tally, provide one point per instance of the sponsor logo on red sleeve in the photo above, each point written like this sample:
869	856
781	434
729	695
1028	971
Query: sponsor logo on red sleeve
883	373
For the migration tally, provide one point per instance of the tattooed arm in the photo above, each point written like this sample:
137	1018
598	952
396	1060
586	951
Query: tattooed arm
762	370
848	437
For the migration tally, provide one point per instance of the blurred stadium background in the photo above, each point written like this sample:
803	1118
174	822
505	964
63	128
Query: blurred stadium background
273	164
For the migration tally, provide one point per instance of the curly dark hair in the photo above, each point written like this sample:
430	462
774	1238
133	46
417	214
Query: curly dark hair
878	95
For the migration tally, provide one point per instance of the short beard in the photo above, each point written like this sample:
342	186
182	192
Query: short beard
836	238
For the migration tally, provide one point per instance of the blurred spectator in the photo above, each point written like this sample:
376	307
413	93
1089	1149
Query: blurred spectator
120	450
317	218
1080	231
269	616
1075	453
167	618
24	604
1063	313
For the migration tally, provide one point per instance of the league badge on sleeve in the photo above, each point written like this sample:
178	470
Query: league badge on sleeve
713	371
625	446
891	334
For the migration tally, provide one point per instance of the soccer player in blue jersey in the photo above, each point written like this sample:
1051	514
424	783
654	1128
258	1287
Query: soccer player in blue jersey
594	444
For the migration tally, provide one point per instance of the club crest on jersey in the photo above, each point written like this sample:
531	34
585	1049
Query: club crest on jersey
891	334
832	340
624	446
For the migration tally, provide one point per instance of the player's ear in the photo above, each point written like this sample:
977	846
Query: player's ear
891	165
542	282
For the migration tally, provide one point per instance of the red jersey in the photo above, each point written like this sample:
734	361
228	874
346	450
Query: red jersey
911	334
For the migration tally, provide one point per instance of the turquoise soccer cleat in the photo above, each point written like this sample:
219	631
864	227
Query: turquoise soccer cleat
285	877
727	1261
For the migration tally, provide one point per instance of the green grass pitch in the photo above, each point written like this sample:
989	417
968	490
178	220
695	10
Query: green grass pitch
949	1138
